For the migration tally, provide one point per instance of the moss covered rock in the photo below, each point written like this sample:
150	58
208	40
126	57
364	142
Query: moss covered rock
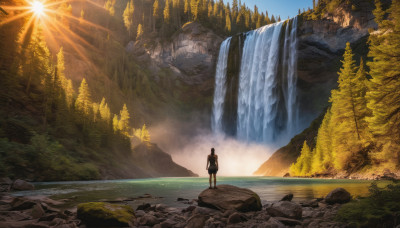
100	214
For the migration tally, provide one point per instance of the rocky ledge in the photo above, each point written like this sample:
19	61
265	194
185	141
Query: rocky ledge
42	212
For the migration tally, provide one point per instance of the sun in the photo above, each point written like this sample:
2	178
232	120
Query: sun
37	8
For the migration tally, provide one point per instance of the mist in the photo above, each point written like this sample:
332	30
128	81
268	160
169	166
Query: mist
189	144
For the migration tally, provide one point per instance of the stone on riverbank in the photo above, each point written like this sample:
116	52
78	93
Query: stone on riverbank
21	185
228	197
285	209
338	195
101	214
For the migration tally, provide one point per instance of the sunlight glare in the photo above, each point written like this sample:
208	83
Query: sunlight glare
37	8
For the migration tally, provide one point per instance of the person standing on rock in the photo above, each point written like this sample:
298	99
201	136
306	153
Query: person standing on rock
212	167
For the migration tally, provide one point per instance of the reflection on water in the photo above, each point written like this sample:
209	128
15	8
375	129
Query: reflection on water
268	188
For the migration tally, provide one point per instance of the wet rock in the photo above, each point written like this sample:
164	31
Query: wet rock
105	214
285	209
21	185
166	224
197	221
21	203
228	197
311	203
13	216
5	184
288	197
236	218
338	195
273	223
288	221
148	220
143	207
204	211
37	211
182	199
189	209
227	213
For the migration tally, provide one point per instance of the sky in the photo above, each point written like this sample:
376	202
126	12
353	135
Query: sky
284	8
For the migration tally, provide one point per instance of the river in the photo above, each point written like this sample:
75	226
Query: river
167	190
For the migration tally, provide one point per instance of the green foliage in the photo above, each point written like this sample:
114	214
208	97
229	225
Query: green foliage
128	16
303	165
145	135
380	209
384	96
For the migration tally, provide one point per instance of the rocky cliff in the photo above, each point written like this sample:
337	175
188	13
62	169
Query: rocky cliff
321	45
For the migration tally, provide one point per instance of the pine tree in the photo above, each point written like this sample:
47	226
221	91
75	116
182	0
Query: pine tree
123	124
109	6
83	103
36	64
323	158
145	135
384	96
105	112
167	12
128	16
156	13
115	123
187	8
194	9
378	13
139	31
346	137
228	26
302	167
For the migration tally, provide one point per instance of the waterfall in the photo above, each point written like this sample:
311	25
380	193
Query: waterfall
266	104
220	88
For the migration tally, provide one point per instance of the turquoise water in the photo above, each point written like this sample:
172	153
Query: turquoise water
268	188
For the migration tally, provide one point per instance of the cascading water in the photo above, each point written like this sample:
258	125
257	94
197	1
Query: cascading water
220	88
266	103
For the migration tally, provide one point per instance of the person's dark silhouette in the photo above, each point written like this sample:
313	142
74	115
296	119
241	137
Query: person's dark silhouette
212	166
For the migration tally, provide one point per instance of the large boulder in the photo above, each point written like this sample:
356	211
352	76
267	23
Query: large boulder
338	195
99	214
228	197
21	185
285	209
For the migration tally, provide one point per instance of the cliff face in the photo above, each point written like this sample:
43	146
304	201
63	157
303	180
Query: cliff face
191	53
321	46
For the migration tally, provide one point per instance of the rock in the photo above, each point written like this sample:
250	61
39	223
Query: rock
21	185
139	213
288	221
285	209
182	199
236	218
273	223
204	211
37	211
286	175
228	213
288	197
105	214
148	220
21	203
189	209
197	221
5	184
338	195
167	224
228	197
143	207
311	203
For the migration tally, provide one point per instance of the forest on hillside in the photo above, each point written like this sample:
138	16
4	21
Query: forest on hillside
360	131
